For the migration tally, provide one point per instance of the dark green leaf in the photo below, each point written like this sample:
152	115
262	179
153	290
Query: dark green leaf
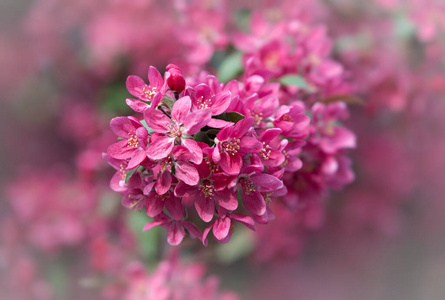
233	117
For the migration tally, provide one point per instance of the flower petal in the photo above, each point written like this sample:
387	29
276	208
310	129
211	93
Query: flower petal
197	120
156	120
221	228
186	172
175	233
205	208
159	148
181	109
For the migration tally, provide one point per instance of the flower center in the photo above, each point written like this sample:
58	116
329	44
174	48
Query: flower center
231	147
287	118
166	164
204	103
258	117
175	130
265	152
149	91
247	186
133	140
207	189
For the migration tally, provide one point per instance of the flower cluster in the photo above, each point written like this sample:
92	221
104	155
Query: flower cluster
199	146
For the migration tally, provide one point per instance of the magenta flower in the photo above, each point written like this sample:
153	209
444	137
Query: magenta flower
152	93
330	136
232	143
223	226
292	121
155	203
253	188
176	129
175	228
134	141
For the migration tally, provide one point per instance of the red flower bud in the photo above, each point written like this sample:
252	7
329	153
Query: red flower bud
176	81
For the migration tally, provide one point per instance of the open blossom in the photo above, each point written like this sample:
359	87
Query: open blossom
149	95
134	141
176	129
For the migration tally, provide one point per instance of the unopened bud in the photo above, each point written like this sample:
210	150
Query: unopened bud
176	81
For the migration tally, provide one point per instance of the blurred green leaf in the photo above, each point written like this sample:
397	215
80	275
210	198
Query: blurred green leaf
148	240
234	117
230	67
58	277
113	99
294	80
240	245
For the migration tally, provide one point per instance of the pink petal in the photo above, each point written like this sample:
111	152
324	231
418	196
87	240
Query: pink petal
135	86
174	207
205	234
195	150
205	208
160	148
122	126
120	150
217	123
197	120
155	78
137	159
231	164
221	228
266	183
269	135
163	183
242	127
152	224
221	102
154	206
250	145
186	172
227	199
254	202
156	120
137	105
175	234
181	109
194	232
245	220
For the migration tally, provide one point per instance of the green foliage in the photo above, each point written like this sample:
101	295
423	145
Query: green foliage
294	80
230	67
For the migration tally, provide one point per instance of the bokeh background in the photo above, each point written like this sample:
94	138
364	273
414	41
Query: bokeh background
64	233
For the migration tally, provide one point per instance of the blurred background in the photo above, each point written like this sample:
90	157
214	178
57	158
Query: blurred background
64	233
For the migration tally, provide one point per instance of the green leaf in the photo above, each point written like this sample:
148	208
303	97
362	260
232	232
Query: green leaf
202	137
146	126
233	117
294	80
240	246
230	67
149	240
130	173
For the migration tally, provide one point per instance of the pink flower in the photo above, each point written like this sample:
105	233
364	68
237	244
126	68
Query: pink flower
254	186
223	226
292	121
134	141
152	93
176	129
176	228
232	144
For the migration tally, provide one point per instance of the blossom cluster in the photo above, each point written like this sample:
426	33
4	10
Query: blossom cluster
198	145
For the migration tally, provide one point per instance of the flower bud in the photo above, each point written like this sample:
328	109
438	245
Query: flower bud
176	81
